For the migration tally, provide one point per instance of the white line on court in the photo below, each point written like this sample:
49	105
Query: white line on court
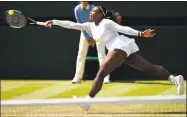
101	115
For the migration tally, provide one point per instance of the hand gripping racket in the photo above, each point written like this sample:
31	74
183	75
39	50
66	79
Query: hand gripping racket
16	19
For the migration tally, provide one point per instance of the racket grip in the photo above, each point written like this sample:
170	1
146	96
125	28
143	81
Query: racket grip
41	23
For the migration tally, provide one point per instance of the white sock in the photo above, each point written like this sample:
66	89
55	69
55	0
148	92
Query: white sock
172	79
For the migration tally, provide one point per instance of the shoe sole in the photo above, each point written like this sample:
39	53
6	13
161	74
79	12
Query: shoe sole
181	85
76	82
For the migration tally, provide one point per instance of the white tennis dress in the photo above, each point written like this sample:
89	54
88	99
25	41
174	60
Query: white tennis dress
106	32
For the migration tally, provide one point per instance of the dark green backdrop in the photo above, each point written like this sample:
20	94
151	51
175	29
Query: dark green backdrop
41	53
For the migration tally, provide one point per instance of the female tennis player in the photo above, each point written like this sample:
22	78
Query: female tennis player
104	28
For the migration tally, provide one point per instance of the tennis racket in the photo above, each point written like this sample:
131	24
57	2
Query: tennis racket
18	20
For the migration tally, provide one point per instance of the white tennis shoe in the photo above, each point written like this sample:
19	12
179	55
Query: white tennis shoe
84	107
179	83
106	80
76	80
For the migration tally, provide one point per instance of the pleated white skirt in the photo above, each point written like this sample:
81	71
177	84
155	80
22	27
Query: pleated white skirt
123	43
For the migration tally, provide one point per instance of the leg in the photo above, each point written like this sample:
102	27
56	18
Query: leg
138	62
113	60
81	58
101	55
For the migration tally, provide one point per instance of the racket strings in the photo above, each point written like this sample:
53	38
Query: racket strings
17	20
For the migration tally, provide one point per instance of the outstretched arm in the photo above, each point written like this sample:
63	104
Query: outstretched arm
68	24
128	30
71	25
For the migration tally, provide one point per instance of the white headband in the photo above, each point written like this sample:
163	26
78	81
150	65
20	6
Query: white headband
102	10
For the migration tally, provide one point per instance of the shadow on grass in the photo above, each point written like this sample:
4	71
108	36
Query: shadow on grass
136	113
161	83
144	82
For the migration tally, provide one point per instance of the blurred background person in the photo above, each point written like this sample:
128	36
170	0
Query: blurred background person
82	11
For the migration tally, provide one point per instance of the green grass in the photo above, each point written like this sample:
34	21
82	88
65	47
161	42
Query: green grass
119	89
15	89
23	90
80	91
147	90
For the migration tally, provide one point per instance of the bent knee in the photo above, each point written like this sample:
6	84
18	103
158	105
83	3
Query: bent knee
160	68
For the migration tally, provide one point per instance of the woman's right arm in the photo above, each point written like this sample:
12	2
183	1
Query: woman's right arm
70	24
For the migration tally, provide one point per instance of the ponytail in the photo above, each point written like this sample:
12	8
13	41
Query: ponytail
116	17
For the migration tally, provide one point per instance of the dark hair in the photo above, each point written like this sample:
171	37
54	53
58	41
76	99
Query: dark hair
111	14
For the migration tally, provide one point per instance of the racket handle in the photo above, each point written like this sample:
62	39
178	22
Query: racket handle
41	23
